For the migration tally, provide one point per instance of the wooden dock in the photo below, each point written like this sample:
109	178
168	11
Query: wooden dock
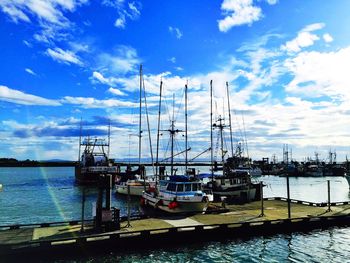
51	239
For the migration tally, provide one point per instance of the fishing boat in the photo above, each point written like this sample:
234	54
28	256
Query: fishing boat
177	193
234	183
313	170
135	182
94	161
131	182
347	177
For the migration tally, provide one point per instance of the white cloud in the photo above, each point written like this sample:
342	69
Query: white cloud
116	92
19	97
64	56
90	103
272	2
50	11
320	74
123	60
172	60
126	10
28	70
327	38
120	22
304	38
238	12
175	31
50	15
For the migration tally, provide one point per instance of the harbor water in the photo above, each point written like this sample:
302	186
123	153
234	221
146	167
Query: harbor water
36	195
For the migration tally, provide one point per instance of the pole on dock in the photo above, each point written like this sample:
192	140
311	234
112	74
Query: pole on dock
128	225
329	195
288	196
82	210
262	199
108	191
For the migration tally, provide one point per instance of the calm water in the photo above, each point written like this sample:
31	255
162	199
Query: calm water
33	195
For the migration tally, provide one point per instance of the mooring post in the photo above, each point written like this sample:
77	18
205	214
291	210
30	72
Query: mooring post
108	191
82	210
98	222
288	196
262	199
329	195
128	225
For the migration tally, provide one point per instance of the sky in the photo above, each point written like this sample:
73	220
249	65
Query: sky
66	62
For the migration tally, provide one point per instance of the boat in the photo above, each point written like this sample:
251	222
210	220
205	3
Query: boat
132	180
313	170
234	183
94	161
135	180
347	177
178	194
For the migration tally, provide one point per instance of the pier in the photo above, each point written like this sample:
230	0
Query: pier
233	221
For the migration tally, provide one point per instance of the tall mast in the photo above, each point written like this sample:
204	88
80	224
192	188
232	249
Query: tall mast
148	126
109	138
186	138
211	130
172	134
229	116
221	127
159	111
140	131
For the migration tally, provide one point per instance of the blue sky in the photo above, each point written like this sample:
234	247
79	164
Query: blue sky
286	63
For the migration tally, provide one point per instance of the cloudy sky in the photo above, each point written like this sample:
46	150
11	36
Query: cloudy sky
286	63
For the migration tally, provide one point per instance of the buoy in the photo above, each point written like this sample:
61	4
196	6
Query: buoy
0	187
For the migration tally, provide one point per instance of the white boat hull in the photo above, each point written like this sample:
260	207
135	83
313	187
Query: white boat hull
248	194
183	206
134	190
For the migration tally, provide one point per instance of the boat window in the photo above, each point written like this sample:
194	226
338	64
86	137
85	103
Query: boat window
171	187
199	187
180	188
222	181
188	187
194	187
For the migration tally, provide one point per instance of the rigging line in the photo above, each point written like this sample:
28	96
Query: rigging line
245	137
179	106
148	126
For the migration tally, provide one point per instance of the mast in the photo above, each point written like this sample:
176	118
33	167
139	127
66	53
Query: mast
211	130
221	127
186	138
140	131
109	138
148	126
229	116
172	134
159	111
